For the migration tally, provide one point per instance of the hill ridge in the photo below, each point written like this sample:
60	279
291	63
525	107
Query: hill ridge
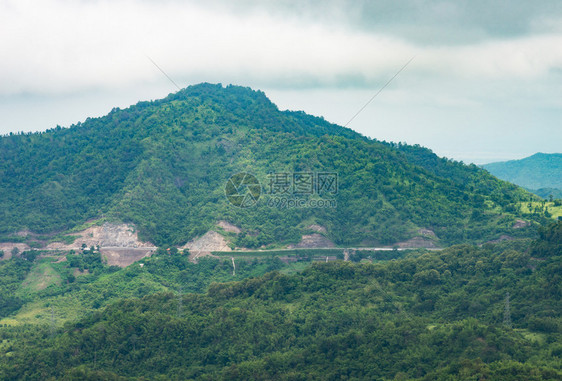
540	170
163	165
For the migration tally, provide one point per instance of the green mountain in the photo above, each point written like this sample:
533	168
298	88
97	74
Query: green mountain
538	173
164	165
464	313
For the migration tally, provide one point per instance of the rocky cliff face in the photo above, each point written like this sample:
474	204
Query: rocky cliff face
207	243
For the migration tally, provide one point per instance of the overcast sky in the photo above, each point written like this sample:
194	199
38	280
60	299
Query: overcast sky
485	84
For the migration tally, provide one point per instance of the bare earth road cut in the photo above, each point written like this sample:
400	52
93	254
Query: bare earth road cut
120	245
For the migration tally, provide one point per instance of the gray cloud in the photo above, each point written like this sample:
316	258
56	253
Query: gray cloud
59	46
497	59
421	21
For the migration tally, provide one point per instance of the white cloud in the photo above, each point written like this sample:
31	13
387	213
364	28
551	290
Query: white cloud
97	49
59	46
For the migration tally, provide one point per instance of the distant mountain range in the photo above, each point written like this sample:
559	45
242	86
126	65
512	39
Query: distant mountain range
540	173
208	153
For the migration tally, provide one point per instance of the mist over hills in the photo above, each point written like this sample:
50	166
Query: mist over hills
163	165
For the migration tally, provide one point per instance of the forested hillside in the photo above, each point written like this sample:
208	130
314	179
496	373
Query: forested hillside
465	313
163	165
37	289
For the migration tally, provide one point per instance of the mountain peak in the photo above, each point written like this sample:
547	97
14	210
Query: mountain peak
217	92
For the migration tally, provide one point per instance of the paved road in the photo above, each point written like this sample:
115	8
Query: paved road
344	248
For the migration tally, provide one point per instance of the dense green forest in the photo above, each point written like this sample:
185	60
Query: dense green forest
163	166
37	287
464	313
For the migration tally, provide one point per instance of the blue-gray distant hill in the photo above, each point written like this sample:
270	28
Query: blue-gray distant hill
541	173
